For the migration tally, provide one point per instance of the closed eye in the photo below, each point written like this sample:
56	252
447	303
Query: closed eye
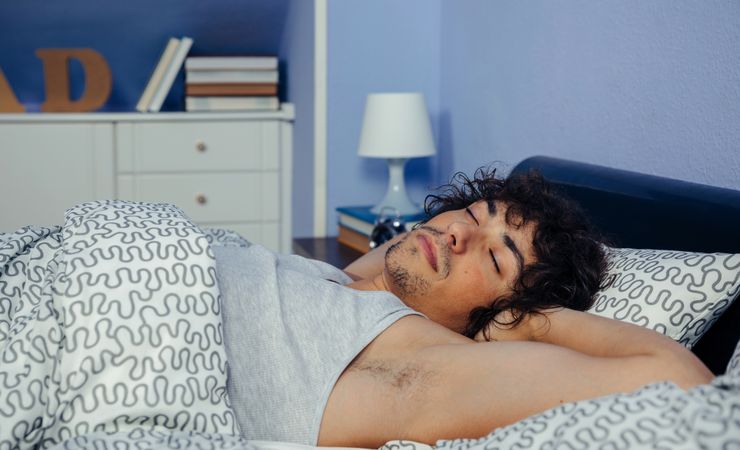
495	263
493	257
467	210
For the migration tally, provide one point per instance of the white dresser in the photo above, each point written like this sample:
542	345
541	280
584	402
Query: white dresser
229	170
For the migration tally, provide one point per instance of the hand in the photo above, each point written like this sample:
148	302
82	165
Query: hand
532	326
498	332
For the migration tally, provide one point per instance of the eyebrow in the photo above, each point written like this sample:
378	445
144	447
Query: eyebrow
491	204
515	250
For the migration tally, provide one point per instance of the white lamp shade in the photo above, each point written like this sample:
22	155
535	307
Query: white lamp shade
396	125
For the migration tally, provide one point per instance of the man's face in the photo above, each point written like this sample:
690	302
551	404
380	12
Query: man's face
458	261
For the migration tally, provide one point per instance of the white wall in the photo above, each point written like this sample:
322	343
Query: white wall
297	50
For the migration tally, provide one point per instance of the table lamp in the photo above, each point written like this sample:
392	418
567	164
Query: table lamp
396	127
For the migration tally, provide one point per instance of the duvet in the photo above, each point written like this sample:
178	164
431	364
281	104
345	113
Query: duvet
110	337
108	324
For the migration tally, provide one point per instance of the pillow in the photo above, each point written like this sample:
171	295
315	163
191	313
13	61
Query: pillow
677	293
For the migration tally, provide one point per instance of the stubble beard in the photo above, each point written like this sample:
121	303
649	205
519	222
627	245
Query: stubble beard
410	284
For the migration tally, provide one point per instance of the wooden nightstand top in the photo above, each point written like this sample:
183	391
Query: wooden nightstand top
327	250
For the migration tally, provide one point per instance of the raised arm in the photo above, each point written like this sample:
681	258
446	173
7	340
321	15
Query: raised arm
577	356
421	381
572	356
597	336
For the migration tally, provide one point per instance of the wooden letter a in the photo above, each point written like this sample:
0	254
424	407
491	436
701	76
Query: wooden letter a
56	76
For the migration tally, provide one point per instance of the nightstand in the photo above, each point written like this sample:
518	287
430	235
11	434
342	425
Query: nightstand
327	250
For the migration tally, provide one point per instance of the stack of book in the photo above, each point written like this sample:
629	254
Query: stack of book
356	223
231	83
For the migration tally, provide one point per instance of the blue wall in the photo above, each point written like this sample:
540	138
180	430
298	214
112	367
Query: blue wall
376	46
131	35
646	86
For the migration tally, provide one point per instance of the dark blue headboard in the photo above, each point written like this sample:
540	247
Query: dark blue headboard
645	211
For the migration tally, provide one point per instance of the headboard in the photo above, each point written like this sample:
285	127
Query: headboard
645	211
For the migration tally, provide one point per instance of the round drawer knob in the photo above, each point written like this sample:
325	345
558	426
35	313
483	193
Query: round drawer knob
200	146
201	199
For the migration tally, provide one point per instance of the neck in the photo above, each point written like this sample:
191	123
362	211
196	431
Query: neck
376	283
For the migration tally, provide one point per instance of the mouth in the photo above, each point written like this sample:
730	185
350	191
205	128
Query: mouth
427	247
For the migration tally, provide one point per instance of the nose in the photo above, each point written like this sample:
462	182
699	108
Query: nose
459	235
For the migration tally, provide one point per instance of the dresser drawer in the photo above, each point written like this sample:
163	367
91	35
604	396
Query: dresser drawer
49	167
214	197
198	146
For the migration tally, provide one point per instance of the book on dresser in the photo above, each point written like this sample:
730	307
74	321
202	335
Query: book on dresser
230	89
231	76
170	73
231	103
231	63
356	223
157	74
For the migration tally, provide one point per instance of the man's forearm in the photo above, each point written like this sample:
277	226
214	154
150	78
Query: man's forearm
601	337
594	335
606	338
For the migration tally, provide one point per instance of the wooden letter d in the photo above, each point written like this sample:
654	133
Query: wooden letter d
56	75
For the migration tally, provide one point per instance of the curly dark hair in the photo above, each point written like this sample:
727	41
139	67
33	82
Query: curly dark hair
570	262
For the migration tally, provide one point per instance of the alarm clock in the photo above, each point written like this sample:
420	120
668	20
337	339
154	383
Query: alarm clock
386	227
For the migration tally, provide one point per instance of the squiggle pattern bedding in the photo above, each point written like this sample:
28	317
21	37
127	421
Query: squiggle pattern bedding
138	439
110	323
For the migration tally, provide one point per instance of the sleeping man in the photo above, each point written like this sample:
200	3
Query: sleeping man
465	324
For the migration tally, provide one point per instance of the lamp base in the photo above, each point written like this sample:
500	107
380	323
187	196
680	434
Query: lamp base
396	201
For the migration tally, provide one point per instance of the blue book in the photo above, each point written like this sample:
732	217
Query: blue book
360	219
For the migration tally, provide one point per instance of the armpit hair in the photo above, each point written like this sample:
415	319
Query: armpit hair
400	376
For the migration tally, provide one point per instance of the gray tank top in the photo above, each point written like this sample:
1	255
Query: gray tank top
290	329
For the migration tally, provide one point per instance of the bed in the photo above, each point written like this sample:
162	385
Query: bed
111	338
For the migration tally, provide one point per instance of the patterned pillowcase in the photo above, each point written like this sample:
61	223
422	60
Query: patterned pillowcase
679	294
